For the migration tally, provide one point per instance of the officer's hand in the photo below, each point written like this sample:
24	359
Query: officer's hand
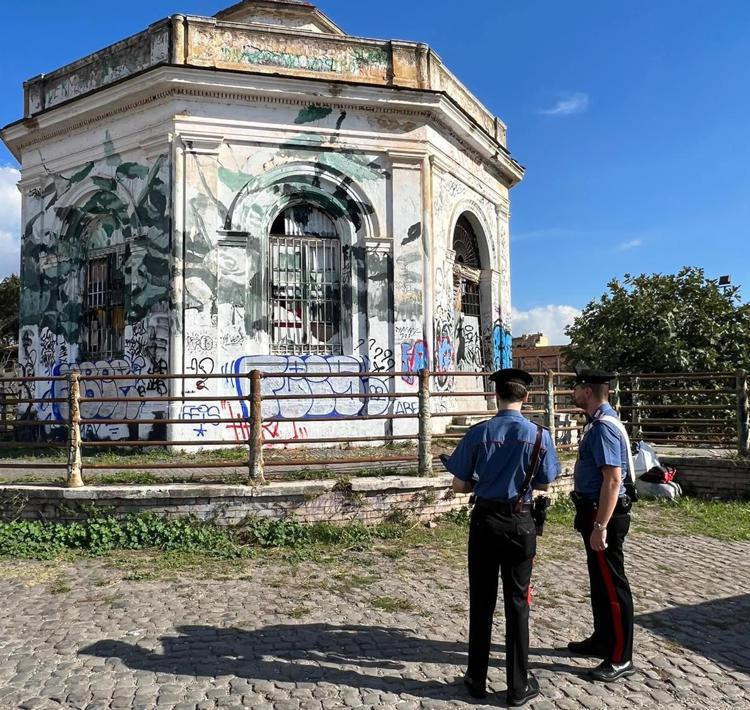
598	540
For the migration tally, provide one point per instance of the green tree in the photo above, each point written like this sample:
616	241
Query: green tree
10	289
663	323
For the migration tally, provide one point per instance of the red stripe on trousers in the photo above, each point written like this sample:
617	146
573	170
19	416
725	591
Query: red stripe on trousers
614	606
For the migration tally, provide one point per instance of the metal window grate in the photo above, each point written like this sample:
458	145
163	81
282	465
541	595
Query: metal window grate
470	298
465	244
305	295
105	312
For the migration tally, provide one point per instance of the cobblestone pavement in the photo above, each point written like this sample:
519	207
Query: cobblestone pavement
370	631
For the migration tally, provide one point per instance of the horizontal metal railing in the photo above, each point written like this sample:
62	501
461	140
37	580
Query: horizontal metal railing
675	409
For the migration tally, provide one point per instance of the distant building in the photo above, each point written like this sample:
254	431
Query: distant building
533	352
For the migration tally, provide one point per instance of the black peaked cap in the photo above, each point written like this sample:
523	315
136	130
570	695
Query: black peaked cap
593	377
512	374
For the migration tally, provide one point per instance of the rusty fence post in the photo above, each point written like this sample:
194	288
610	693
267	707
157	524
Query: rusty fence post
549	405
743	415
425	425
635	420
74	479
255	442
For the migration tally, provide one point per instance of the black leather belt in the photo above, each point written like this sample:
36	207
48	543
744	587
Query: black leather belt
581	501
499	506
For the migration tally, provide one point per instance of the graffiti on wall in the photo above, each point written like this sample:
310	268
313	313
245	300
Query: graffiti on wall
254	48
415	356
118	205
306	375
502	346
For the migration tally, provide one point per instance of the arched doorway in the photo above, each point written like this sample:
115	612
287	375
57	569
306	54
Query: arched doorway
305	282
467	301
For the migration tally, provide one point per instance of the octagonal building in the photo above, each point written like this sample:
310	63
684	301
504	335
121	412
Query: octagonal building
259	190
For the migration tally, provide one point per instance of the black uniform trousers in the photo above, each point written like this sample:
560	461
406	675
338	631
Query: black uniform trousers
500	543
611	598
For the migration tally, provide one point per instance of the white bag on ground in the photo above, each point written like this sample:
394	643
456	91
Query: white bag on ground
657	490
645	458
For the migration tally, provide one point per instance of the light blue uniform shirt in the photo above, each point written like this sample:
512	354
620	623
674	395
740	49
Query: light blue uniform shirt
601	445
496	454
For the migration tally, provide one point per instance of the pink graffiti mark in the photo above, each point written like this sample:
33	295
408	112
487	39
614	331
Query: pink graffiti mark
240	428
414	357
273	430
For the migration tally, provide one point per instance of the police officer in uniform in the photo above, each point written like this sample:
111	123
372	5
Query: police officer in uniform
492	461
603	519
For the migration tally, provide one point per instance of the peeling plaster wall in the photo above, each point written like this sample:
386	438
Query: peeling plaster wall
463	185
235	186
240	165
117	200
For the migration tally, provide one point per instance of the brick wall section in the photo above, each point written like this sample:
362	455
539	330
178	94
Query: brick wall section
728	479
367	500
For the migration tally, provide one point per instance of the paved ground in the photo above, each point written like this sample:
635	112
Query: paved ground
315	635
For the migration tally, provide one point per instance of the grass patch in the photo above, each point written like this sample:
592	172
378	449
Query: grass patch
153	565
561	512
60	586
99	535
723	520
392	605
298	612
346	582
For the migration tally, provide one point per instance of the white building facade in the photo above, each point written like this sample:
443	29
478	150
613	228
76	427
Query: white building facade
259	190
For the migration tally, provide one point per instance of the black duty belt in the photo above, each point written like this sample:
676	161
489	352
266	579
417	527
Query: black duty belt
581	501
499	506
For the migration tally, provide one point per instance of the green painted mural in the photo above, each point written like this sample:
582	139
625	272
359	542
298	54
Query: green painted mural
105	205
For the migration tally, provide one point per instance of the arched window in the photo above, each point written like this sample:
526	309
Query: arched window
466	269
305	282
104	294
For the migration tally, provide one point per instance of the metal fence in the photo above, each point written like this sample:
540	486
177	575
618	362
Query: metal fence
695	410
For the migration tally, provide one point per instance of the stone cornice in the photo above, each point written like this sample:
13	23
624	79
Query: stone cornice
165	83
252	49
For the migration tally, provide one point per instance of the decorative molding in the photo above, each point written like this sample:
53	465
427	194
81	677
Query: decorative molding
233	239
224	96
155	145
201	144
493	162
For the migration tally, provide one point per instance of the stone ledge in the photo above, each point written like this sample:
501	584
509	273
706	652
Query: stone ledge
274	489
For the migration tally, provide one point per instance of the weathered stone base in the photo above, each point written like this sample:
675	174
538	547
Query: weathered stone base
712	477
368	500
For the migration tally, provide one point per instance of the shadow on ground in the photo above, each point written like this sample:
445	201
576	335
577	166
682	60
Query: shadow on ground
718	629
310	653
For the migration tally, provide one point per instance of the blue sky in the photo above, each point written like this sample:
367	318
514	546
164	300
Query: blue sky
631	119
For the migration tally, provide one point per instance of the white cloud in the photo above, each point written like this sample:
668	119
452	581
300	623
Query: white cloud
550	320
568	104
632	244
544	233
10	220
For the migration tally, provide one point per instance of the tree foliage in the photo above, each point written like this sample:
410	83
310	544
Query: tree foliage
10	289
663	323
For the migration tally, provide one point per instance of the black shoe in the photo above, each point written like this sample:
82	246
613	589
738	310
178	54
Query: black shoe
588	647
476	690
607	671
530	692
